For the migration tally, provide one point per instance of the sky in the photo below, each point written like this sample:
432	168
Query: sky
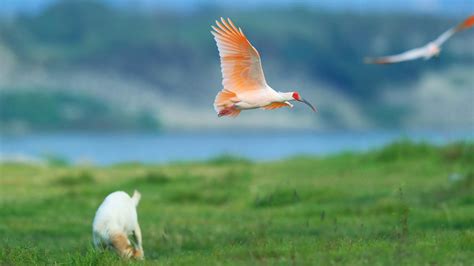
448	7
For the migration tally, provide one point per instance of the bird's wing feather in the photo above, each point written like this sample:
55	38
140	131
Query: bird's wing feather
405	56
467	23
444	37
240	62
275	105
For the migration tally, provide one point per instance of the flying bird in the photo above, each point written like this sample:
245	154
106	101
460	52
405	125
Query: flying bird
242	75
427	51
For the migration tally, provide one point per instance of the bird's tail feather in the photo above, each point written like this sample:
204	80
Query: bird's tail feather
224	103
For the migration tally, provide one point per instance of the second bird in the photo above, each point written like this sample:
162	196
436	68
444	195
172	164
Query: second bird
427	51
243	79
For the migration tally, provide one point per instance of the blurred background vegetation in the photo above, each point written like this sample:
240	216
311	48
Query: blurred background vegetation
99	65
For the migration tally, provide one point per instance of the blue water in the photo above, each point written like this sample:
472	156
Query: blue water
104	149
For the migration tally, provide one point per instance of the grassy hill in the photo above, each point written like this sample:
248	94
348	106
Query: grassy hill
406	204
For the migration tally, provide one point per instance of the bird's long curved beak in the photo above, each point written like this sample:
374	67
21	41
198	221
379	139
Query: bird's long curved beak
309	104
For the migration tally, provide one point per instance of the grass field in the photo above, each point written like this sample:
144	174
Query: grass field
405	204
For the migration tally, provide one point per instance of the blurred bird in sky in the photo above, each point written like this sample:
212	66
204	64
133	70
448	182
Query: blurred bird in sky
426	52
243	79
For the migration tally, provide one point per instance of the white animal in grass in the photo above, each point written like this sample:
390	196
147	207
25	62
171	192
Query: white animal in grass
426	52
116	220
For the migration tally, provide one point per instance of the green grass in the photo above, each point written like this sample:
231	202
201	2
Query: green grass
394	206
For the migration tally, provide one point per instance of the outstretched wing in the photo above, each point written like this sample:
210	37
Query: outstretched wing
444	37
406	56
240	62
276	105
467	23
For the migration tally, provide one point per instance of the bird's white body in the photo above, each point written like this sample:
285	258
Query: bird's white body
425	52
431	49
259	98
117	217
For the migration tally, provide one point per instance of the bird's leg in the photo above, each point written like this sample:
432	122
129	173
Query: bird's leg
289	104
227	111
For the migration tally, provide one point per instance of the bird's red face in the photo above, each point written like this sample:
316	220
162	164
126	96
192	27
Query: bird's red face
298	98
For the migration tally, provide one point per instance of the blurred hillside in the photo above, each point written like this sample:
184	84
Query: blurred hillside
160	69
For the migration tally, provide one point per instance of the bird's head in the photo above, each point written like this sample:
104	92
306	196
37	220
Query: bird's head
297	97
